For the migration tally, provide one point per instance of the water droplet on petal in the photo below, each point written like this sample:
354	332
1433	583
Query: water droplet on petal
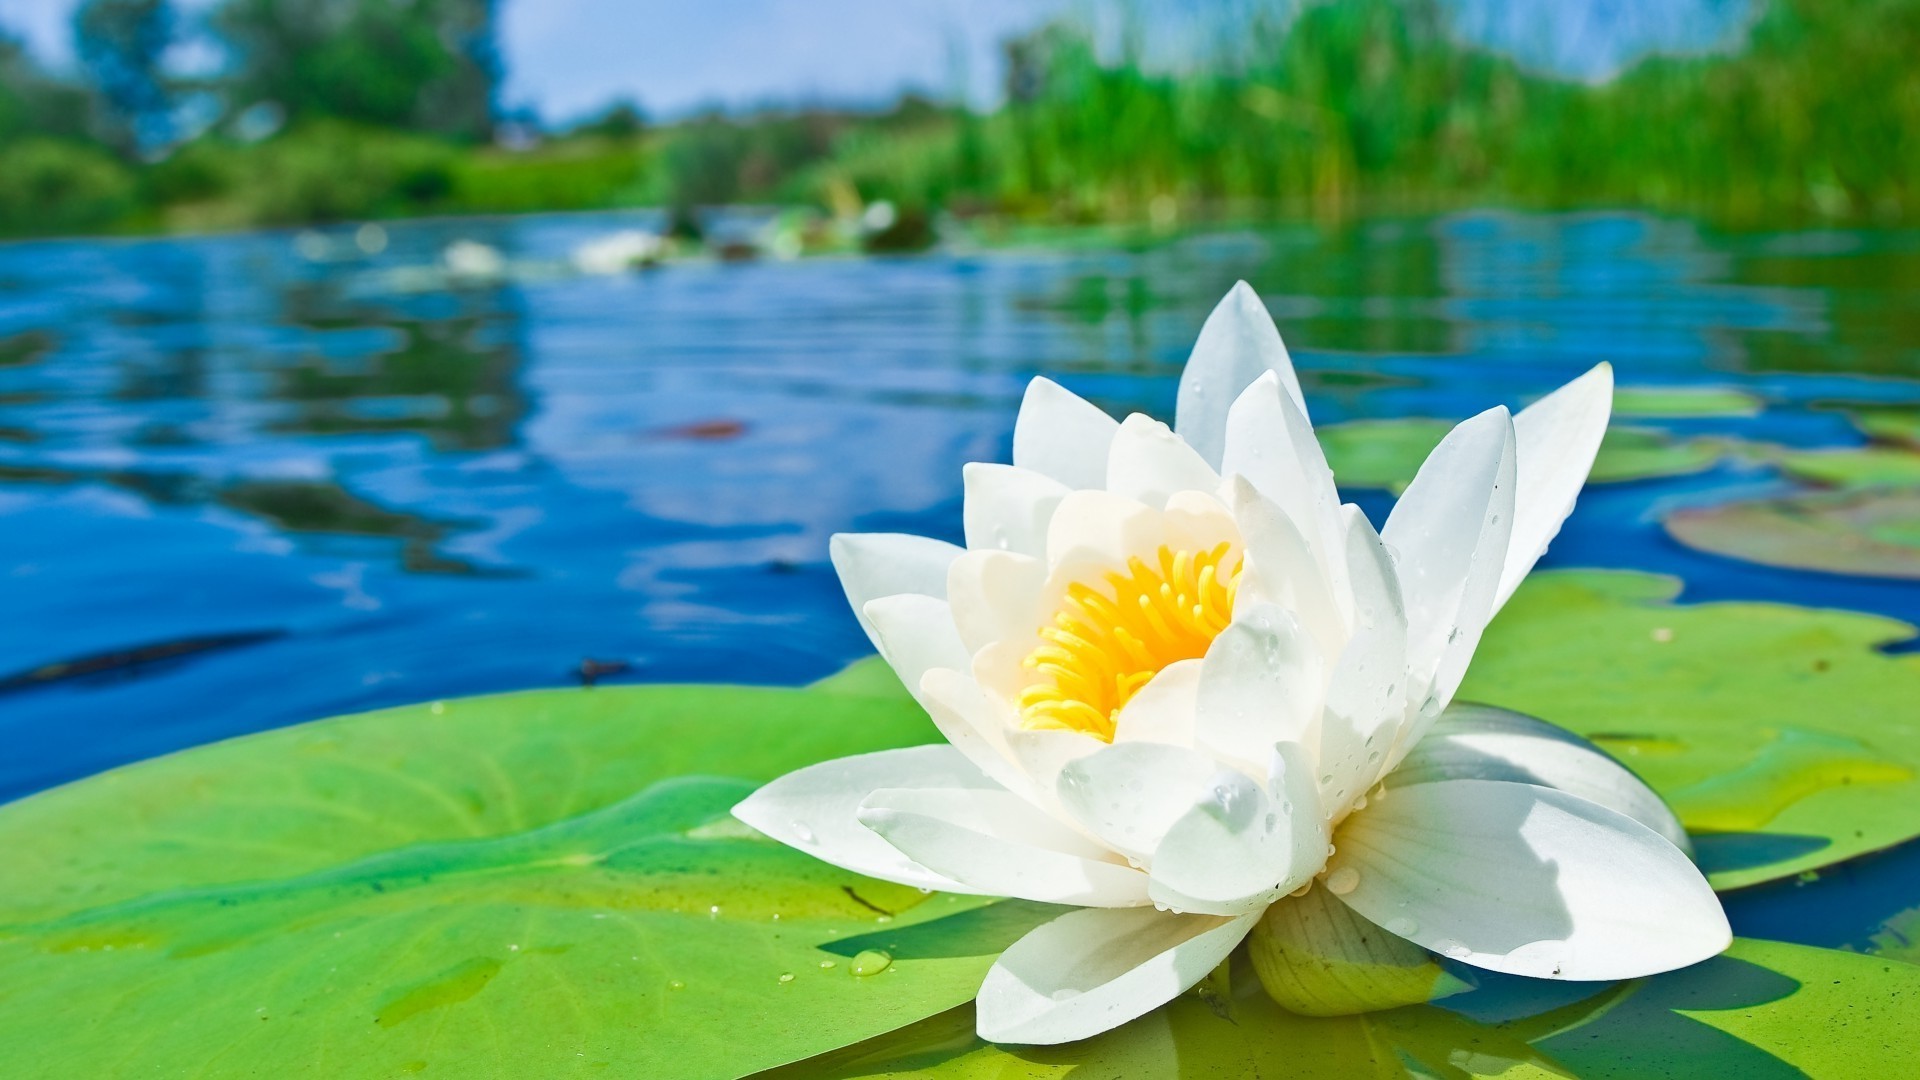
1402	926
870	962
786	976
1343	881
825	964
676	984
802	833
1457	951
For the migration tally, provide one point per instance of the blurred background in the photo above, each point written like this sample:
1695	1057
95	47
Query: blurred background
143	115
361	352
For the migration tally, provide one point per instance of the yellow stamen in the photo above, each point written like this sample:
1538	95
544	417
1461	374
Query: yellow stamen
1103	645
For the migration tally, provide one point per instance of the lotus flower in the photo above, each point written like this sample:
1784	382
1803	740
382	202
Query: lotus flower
1189	693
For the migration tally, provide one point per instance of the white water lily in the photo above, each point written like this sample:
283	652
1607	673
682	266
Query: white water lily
1184	688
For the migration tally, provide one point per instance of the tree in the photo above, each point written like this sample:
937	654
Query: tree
430	65
620	120
32	102
121	44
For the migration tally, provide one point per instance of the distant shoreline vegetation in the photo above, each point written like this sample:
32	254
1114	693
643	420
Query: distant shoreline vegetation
386	110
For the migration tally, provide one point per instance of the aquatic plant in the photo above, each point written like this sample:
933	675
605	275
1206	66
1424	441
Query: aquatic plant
1224	715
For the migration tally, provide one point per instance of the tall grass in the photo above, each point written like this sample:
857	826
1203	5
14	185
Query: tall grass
1366	102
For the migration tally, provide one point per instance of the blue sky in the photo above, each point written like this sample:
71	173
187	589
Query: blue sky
569	57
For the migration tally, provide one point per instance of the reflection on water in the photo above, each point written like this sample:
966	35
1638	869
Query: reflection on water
241	488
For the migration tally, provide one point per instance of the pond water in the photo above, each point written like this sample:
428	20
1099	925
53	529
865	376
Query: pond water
252	480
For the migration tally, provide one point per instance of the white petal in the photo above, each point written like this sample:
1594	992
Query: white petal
985	727
1527	880
1292	786
1238	344
1238	850
1090	971
873	565
1162	711
1282	567
1129	794
1061	435
995	596
1270	442
1480	742
998	843
814	809
1366	706
972	721
1102	529
1040	756
915	634
1260	683
1367	692
1008	508
1556	439
1450	532
1375	584
1150	463
1200	521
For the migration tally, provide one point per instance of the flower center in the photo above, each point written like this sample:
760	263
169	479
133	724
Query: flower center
1110	638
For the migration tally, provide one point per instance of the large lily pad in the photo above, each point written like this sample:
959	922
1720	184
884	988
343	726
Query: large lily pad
530	885
1765	1010
1385	454
1782	736
1874	532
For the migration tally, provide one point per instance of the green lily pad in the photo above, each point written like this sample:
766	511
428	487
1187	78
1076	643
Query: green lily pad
1677	402
1385	454
1889	425
1763	1010
1863	467
1872	532
1780	735
536	885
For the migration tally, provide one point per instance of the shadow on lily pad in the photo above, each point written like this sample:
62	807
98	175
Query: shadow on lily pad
1656	1027
1719	851
977	931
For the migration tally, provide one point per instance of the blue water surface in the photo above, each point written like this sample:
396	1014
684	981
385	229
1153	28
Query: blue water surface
251	480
